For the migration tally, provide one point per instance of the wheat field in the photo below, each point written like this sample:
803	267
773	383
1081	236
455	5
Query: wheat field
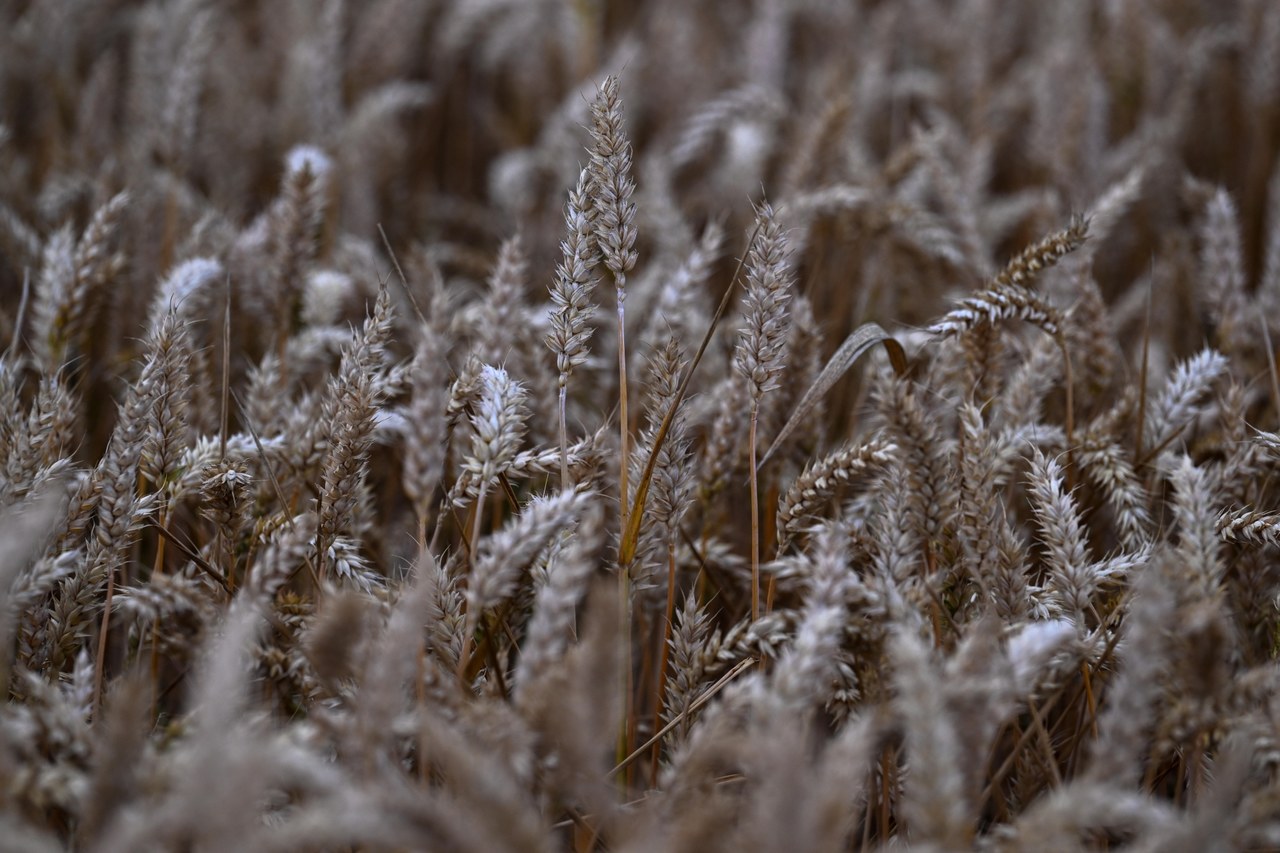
538	425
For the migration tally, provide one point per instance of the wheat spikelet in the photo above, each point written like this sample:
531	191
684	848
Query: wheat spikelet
673	480
1021	401
293	235
424	455
823	478
118	515
611	183
502	555
68	294
573	284
615	235
585	458
691	639
464	391
1122	727
353	399
1023	268
1244	457
931	493
1223	272
1008	296
805	671
225	497
679	311
895	538
167	431
1000	302
175	133
550	626
700	129
118	509
167	599
723	450
284	549
984	534
1062	534
1196	510
933	799
672	486
761	347
1107	464
1091	339
762	340
503	305
1113	203
571	299
1174	408
498	425
11	383
1249	525
39	445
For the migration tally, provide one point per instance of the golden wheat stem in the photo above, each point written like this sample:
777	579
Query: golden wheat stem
661	690
624	607
564	445
1069	381
1141	418
156	570
473	619
101	659
755	516
476	520
1089	698
623	422
624	585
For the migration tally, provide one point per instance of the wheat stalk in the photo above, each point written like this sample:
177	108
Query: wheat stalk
610	192
571	300
760	350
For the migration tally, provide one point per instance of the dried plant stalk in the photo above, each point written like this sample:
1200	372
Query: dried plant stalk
610	190
571	299
761	344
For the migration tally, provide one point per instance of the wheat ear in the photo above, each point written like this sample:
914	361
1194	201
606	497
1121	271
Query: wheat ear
615	233
571	297
499	424
823	478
